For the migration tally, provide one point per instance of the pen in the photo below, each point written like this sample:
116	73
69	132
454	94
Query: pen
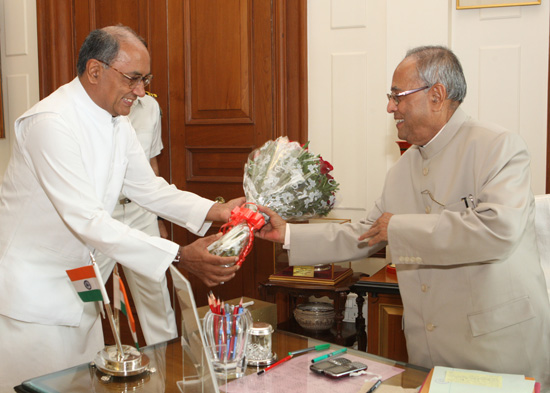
471	198
234	329
319	347
275	364
373	388
328	355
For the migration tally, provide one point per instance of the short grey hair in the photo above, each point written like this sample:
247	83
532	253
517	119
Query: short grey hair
104	44
438	64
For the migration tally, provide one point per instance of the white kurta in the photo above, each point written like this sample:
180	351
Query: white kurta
472	286
151	298
70	161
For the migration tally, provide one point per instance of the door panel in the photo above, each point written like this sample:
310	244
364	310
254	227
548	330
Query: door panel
219	78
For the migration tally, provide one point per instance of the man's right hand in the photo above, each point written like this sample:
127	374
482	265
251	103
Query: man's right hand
275	229
196	259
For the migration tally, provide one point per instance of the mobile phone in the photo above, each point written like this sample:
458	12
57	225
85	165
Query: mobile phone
320	367
338	367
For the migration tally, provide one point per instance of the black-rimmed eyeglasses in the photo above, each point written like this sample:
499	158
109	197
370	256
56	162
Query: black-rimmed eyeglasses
396	96
133	81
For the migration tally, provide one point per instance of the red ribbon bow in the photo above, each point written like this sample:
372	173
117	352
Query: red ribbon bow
254	221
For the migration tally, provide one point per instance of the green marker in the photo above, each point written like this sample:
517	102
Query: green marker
328	355
319	347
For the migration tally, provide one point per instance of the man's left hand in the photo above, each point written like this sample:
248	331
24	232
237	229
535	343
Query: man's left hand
211	269
222	211
378	231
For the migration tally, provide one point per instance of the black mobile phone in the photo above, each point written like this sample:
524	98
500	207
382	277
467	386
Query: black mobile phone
338	367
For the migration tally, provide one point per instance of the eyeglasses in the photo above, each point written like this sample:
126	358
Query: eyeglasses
428	193
132	80
395	97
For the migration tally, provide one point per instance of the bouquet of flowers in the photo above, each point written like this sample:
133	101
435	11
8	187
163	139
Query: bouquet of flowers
288	179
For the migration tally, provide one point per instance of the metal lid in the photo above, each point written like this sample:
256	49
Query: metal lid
261	329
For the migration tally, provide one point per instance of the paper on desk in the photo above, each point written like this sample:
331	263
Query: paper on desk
295	376
453	380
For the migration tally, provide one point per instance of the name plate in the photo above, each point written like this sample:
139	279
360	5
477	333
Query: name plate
303	271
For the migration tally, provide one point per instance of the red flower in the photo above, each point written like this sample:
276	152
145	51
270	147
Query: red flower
325	166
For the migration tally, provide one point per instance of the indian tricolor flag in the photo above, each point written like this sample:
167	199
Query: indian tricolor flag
88	284
120	299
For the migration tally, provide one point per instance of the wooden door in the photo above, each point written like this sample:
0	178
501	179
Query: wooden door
222	106
229	75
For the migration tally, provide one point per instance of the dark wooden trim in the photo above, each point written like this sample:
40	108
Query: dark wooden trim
379	254
279	99
294	62
55	35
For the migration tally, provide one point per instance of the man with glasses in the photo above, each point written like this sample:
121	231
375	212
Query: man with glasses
150	297
74	153
457	214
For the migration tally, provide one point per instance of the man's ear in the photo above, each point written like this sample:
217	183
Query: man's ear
438	94
94	70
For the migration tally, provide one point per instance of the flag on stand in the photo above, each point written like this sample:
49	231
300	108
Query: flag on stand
121	303
87	284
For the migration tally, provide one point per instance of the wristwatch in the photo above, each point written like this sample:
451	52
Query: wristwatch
177	258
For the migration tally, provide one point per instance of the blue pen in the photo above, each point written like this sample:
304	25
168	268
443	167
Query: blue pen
328	355
220	339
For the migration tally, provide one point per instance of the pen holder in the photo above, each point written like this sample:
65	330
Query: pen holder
227	338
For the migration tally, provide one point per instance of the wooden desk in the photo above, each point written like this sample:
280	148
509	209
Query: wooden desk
296	293
167	358
385	315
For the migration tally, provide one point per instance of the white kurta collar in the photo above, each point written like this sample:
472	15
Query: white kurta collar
81	95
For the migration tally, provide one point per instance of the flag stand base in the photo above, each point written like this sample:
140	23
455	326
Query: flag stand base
134	362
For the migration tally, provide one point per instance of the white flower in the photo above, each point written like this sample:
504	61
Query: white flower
286	178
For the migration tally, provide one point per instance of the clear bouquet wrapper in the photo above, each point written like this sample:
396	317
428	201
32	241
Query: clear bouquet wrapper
287	178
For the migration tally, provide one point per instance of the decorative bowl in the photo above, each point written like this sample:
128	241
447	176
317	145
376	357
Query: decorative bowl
314	316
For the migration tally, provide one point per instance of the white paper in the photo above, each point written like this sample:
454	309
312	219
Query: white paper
454	380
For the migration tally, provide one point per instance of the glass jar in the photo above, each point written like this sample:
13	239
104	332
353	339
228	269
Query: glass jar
227	338
258	351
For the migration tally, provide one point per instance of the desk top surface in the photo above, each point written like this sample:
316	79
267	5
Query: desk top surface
167	359
381	281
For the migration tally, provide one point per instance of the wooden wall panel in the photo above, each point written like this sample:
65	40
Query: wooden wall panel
215	164
56	47
218	62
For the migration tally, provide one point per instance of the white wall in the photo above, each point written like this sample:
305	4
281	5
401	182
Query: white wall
353	48
19	59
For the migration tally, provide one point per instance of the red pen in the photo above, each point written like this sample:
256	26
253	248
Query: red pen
275	364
